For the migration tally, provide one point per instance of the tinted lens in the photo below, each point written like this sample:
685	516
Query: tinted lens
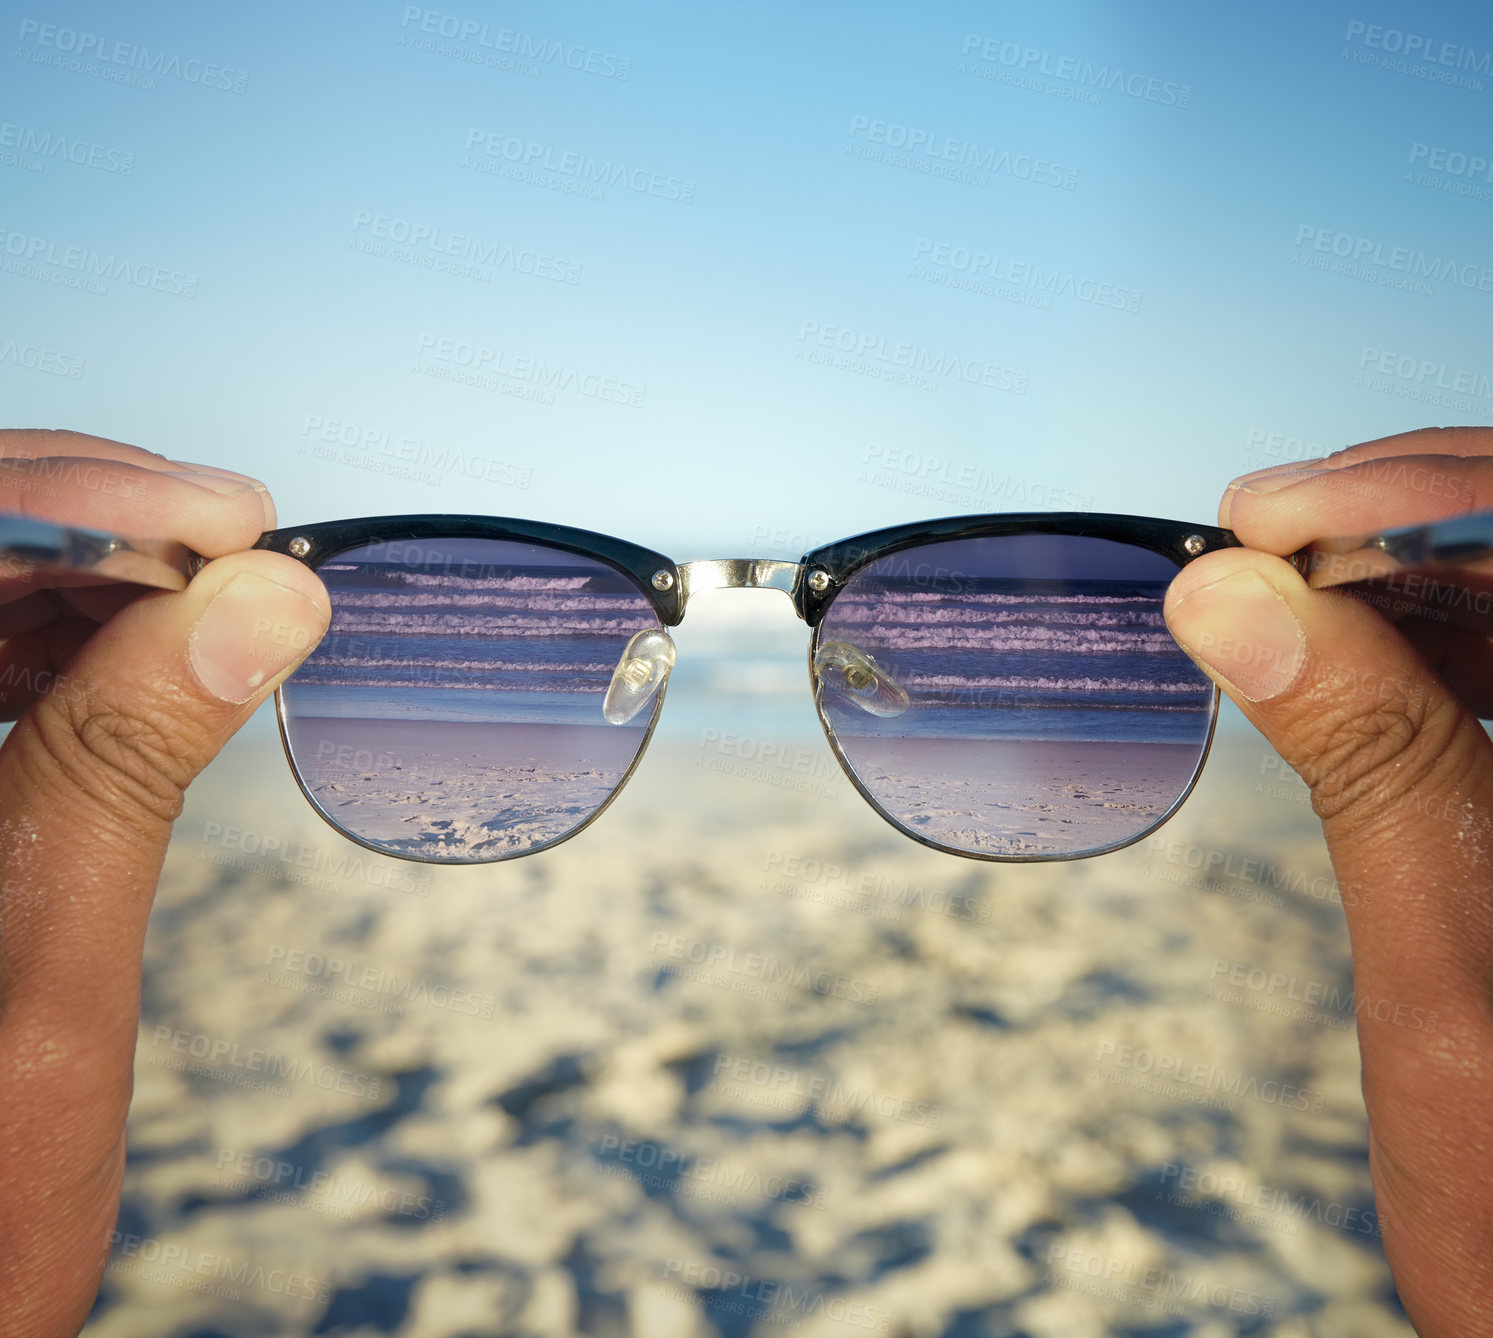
1017	695
453	712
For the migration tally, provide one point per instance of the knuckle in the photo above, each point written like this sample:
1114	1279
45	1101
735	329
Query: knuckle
1366	762
133	762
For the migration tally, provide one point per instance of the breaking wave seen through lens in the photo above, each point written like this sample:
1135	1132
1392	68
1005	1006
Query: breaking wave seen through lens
487	644
1024	658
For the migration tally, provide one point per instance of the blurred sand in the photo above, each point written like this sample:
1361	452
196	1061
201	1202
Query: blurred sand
741	1060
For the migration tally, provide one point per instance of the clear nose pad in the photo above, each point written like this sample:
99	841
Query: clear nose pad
641	672
854	674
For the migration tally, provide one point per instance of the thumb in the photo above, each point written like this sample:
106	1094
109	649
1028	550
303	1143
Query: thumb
92	775
91	778
1401	774
1400	770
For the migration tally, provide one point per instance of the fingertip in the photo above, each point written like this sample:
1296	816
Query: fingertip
1218	566
216	471
260	614
279	569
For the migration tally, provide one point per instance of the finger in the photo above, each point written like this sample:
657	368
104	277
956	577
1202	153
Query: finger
28	612
1349	703
1462	660
99	603
1401	774
1281	513
140	710
37	443
91	778
31	663
264	493
210	514
1448	441
1456	596
32	442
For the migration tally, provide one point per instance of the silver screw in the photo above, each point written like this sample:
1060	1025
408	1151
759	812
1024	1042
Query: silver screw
663	580
300	545
818	581
1194	544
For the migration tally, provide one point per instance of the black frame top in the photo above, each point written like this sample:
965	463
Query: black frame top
838	560
330	537
843	558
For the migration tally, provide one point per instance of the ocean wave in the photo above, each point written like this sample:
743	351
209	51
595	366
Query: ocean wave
465	666
379	574
956	615
549	602
897	640
473	624
332	677
953	683
903	595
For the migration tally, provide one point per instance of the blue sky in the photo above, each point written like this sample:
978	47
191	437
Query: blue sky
766	344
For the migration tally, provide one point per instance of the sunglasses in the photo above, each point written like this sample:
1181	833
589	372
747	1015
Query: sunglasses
1000	687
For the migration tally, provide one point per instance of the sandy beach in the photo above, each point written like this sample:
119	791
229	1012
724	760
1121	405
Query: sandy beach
460	790
1023	796
739	1060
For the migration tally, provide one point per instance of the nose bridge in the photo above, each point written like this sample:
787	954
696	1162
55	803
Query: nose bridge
738	574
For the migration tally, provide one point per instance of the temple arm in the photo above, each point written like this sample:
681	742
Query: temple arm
1464	543
85	557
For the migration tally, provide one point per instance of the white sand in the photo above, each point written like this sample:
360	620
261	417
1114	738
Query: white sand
460	790
1023	796
1008	999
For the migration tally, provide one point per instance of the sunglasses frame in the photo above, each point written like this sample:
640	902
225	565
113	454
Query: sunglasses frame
812	584
316	544
840	561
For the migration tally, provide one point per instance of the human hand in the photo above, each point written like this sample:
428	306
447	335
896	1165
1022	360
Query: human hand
121	695
1378	712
